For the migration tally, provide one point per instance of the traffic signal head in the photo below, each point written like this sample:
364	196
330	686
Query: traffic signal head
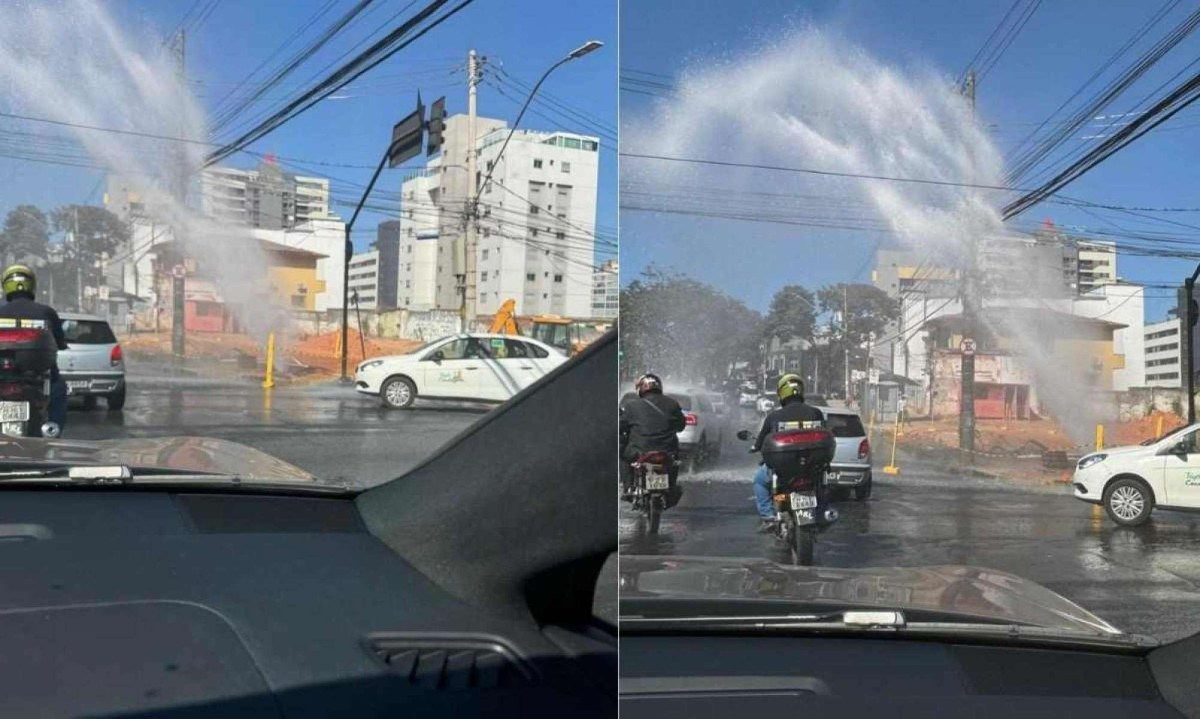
437	125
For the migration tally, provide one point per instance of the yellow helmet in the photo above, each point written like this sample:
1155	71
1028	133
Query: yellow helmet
18	278
790	385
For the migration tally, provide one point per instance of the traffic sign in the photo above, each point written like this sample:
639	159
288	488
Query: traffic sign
178	271
967	346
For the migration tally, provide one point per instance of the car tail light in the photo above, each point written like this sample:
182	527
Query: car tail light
864	448
691	419
117	356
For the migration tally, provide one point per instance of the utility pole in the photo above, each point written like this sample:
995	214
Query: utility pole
179	285
846	338
467	255
966	408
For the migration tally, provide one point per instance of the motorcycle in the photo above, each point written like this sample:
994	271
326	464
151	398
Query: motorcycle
799	462
651	483
26	364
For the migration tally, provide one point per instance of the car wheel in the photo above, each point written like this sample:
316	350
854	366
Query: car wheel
116	400
398	393
1128	502
863	491
89	402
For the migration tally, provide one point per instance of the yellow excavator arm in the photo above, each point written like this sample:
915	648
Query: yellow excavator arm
505	321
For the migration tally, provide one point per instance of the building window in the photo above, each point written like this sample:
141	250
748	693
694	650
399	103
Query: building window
530	277
566	167
408	267
544	295
534	210
408	284
533	232
560	235
589	145
537	164
485	252
483	276
558	278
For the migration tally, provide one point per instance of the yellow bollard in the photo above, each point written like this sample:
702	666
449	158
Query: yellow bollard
1158	427
892	468
337	351
269	380
1099	437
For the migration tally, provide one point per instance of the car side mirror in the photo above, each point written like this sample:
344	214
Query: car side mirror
743	434
437	357
1174	448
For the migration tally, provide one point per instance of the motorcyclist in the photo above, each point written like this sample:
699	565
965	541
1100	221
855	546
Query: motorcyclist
650	422
20	287
793	413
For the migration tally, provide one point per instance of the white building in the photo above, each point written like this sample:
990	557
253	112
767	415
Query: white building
1097	264
1123	303
1163	354
266	197
534	239
364	279
325	237
606	291
421	250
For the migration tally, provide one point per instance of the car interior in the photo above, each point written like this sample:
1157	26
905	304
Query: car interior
680	673
466	587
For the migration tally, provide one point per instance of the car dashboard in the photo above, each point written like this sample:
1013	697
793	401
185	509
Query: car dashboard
140	603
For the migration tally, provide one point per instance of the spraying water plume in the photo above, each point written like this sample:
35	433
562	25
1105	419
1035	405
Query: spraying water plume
812	100
68	61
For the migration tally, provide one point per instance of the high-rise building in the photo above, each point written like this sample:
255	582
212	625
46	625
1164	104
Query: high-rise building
387	244
606	291
1097	264
267	197
534	238
1163	354
364	279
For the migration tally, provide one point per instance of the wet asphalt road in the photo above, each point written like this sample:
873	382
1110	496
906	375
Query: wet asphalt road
327	429
1144	580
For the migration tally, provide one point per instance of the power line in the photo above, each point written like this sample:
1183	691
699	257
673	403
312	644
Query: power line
987	43
991	61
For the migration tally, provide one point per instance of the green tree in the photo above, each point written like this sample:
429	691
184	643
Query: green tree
681	328
859	311
792	314
95	230
26	234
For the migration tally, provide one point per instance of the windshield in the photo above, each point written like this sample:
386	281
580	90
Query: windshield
822	199
221	299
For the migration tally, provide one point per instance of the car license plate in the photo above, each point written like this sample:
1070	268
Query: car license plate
14	411
75	385
832	476
655	481
801	500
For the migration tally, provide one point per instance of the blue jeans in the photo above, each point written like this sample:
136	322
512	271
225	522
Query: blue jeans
762	492
57	410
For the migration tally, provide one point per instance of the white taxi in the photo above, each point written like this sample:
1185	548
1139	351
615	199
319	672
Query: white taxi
475	367
1130	482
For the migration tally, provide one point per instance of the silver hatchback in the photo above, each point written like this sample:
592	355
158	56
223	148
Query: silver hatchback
93	365
851	466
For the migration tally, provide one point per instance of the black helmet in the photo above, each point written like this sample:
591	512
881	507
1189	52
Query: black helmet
648	383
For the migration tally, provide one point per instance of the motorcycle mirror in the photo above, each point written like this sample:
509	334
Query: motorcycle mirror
743	435
51	430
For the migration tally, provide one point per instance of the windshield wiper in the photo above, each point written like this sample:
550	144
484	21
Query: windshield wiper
877	622
91	475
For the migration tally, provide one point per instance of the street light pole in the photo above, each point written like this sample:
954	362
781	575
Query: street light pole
348	251
472	210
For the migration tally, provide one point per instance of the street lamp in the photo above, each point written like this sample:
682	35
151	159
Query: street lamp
584	49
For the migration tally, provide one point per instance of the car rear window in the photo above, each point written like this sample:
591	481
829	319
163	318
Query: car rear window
685	402
88	332
845	425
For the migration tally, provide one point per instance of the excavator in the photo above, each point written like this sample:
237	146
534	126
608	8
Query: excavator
569	335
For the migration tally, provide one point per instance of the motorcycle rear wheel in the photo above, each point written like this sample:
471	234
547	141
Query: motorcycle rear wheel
654	507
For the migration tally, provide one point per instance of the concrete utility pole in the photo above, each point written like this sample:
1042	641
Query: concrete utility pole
966	410
846	338
466	257
179	287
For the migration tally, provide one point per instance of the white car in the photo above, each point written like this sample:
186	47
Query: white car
477	367
1131	481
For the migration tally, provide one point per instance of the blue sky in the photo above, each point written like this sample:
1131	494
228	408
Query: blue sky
240	34
1062	44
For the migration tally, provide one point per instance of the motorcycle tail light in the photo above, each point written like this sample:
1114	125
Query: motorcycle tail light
653	458
117	356
801	484
10	390
691	419
864	448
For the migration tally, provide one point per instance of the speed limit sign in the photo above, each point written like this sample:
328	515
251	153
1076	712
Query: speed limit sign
967	346
178	271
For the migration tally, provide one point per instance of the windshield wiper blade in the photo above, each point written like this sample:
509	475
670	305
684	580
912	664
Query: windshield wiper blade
851	618
109	475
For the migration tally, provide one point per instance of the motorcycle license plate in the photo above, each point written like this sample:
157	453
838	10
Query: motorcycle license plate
803	500
657	481
14	411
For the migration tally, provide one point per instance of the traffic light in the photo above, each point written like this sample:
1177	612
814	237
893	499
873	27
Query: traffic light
437	125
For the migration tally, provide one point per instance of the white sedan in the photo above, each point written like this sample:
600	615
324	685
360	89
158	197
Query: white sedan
478	367
1131	481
